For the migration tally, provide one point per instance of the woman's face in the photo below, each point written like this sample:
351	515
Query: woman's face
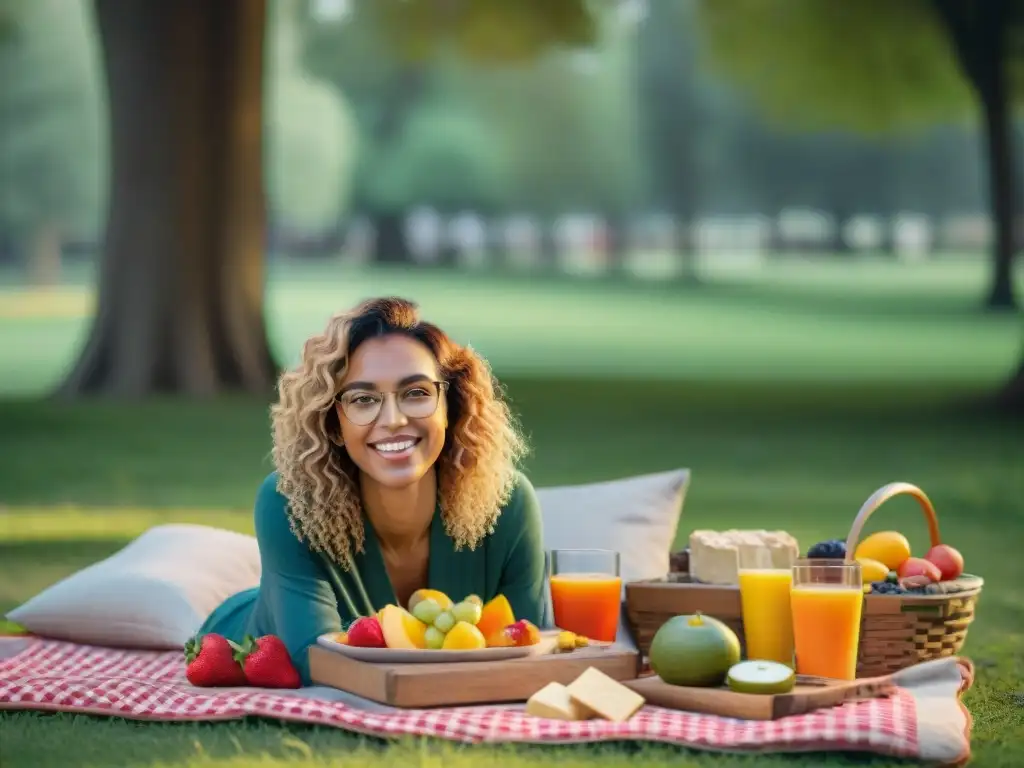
388	425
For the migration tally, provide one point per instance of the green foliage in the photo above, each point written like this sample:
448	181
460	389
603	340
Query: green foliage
533	131
52	157
311	137
486	31
445	158
568	125
870	65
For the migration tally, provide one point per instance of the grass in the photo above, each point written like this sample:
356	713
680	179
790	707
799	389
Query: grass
781	426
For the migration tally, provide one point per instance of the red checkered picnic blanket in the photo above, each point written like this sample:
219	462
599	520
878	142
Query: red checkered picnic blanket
148	685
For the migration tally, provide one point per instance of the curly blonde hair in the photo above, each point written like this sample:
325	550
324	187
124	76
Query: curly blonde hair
476	468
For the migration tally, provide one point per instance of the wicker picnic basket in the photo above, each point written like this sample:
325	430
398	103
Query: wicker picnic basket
897	630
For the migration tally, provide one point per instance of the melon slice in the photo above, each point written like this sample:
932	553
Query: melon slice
402	629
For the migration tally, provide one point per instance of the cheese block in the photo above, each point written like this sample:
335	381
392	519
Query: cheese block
554	702
717	556
605	697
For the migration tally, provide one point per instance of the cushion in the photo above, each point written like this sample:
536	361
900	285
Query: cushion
636	516
154	593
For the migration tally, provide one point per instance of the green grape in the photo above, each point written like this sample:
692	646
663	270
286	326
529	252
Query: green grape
467	612
434	638
444	621
427	610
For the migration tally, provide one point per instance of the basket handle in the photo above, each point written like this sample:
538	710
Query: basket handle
878	498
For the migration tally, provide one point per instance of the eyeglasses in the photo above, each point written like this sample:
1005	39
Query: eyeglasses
417	401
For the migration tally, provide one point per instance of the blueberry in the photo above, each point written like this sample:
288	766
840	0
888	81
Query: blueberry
833	549
886	588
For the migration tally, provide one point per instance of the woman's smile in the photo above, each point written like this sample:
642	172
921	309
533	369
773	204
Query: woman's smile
395	448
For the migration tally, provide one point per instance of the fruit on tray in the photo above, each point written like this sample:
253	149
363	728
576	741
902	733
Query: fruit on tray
948	560
434	638
917	566
889	547
872	570
715	556
467	611
400	629
427	610
464	637
367	632
437	596
444	621
495	615
516	635
830	549
694	650
758	676
570	641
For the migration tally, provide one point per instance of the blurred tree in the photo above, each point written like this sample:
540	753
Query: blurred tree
51	157
444	159
673	107
876	65
344	44
180	299
311	135
393	58
568	125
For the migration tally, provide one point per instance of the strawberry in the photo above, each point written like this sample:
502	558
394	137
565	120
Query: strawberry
366	632
267	663
209	662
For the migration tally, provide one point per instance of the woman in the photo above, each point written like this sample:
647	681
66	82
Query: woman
395	459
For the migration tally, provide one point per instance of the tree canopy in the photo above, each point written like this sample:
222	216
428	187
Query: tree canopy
872	65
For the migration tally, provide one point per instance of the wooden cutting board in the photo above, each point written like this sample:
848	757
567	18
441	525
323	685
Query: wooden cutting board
464	683
808	695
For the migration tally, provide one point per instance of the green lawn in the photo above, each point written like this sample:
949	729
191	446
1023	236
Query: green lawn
792	397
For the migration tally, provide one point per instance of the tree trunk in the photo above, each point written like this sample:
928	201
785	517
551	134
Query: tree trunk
999	146
180	297
1011	398
978	33
391	244
44	256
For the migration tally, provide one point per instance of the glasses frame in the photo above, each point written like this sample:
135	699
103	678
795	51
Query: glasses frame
441	387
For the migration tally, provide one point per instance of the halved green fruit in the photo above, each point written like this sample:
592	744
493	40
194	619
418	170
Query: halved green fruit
761	677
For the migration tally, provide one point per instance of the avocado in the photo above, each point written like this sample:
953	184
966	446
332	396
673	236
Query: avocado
694	651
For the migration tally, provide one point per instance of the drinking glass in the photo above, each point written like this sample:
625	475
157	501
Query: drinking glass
827	602
767	613
586	592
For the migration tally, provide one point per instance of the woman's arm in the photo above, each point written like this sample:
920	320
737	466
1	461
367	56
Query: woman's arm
522	576
294	586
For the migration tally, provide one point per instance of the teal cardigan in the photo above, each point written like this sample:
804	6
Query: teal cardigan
303	594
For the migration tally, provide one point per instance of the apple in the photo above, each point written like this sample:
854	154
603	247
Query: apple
917	566
949	562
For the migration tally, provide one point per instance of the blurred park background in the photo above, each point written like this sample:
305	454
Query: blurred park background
772	242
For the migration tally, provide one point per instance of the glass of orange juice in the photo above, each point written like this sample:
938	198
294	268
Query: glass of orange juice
765	601
827	601
586	592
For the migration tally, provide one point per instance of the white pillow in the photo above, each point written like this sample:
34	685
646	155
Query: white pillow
155	593
635	516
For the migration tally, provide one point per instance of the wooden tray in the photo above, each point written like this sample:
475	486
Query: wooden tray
808	695
462	683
